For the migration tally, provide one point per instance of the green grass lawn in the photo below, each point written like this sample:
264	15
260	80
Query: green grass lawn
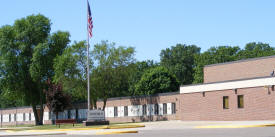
67	126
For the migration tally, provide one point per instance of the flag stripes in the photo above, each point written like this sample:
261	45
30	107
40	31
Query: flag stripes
90	22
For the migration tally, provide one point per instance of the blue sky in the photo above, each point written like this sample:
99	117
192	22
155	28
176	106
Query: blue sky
153	25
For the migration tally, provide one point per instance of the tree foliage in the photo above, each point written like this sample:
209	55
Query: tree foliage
56	99
138	70
110	76
212	56
71	70
27	50
254	49
223	54
157	80
179	60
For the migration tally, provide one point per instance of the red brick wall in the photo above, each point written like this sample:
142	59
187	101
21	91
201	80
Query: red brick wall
250	68
141	101
258	105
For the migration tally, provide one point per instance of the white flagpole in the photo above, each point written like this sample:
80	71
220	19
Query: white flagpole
88	67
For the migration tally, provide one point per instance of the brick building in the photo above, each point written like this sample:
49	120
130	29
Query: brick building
239	90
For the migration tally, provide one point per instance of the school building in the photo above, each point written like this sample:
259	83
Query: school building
238	90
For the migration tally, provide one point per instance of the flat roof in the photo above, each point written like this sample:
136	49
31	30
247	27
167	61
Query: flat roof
238	61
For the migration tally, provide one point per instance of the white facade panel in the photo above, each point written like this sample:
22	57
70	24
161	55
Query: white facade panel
73	116
45	116
13	117
27	116
148	111
139	110
82	113
150	108
19	117
130	111
32	117
169	108
110	111
60	115
258	82
135	110
106	112
160	109
6	118
120	111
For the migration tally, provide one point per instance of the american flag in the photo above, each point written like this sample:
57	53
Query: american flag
90	21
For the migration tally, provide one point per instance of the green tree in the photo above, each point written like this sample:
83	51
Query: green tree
254	49
71	70
138	69
111	70
157	80
179	60
27	50
213	55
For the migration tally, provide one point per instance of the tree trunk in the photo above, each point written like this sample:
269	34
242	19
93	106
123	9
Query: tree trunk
41	114
104	103
41	108
94	104
35	115
56	115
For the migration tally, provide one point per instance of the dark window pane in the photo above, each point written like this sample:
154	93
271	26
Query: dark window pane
156	107
144	110
173	108
125	110
240	101
115	111
164	108
225	102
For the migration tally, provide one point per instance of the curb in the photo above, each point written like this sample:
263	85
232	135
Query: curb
122	127
33	134
236	126
116	132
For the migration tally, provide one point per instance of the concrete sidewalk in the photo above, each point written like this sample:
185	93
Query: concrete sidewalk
163	125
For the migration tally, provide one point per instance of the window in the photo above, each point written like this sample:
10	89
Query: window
225	102
24	117
164	108
30	116
9	117
125	110
144	110
173	108
240	101
156	107
115	111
